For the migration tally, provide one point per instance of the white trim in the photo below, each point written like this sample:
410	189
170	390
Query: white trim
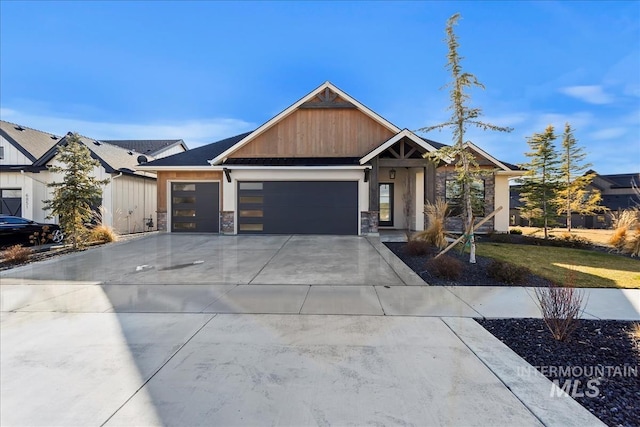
390	142
179	168
242	167
510	173
170	200
220	158
486	155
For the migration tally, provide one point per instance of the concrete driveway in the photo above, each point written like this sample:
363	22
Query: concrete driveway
165	330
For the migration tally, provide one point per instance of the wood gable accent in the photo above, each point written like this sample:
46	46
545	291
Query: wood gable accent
318	132
327	122
327	99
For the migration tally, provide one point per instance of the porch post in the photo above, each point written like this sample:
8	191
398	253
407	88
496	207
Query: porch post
369	219
430	182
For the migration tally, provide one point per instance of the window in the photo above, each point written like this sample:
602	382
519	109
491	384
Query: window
254	213
1	152
251	199
184	226
184	212
178	200
250	186
11	193
453	196
184	187
250	227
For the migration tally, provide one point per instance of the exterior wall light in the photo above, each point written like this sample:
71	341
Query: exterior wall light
392	174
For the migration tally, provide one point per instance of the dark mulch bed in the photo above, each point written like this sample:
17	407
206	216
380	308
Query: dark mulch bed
597	346
38	255
474	275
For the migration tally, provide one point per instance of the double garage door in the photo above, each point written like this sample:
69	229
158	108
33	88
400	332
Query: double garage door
270	207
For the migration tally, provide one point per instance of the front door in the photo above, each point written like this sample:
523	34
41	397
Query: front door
386	205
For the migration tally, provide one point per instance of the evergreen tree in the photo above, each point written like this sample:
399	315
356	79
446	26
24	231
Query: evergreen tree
541	182
462	116
73	197
574	197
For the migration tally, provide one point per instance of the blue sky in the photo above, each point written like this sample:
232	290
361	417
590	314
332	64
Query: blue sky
203	71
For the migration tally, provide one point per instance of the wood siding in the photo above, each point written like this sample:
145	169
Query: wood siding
165	176
318	133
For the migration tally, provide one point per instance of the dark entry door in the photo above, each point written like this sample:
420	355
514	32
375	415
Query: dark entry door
298	207
386	205
195	207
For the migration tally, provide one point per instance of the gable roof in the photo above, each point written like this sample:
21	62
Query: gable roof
151	147
30	142
428	145
218	159
112	158
196	156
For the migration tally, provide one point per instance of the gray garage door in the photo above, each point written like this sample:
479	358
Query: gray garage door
195	207
298	207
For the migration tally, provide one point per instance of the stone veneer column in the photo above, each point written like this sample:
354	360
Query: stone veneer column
369	222
227	225
162	221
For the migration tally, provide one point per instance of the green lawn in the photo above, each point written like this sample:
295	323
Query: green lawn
590	269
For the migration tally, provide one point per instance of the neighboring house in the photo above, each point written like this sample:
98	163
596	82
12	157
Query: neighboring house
157	148
325	165
617	195
128	200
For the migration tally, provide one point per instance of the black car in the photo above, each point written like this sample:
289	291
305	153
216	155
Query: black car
14	230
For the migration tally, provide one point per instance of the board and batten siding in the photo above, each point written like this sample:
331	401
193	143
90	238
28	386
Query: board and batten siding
318	133
133	202
12	156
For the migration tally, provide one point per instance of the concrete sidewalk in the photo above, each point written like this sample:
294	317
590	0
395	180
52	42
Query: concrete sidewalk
31	295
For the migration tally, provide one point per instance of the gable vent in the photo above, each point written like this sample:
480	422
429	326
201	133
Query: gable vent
19	128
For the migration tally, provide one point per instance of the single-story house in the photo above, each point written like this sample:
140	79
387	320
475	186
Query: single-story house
325	165
156	148
128	200
617	195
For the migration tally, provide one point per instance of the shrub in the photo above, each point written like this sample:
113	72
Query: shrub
436	217
103	234
632	244
618	238
507	273
500	238
418	247
17	254
561	308
445	267
569	240
515	231
39	238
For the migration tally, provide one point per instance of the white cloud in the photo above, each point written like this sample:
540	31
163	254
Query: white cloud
608	133
592	94
195	132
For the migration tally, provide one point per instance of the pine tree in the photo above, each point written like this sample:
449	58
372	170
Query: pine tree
74	196
541	182
574	196
462	116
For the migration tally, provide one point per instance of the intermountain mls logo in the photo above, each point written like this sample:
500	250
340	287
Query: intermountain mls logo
578	381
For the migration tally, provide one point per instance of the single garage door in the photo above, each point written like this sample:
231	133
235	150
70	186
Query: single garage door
298	207
195	207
